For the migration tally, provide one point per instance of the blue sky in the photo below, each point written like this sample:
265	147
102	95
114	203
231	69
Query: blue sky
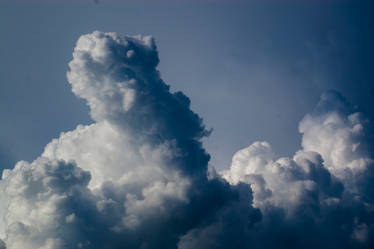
115	158
252	70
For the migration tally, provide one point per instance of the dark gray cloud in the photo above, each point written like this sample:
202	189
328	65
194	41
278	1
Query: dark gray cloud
138	177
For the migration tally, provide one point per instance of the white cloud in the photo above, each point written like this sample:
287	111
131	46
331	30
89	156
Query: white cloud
134	178
342	139
332	174
138	176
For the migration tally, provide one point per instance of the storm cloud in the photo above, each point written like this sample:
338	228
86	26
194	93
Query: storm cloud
139	177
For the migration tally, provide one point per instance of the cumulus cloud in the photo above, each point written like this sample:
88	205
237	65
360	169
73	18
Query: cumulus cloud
322	197
138	176
135	178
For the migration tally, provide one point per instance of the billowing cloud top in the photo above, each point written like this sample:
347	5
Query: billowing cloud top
138	177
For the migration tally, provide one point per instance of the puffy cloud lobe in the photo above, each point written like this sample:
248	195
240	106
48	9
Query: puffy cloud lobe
135	178
343	138
281	181
138	177
323	196
118	78
41	198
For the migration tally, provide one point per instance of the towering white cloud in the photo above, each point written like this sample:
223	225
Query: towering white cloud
326	188
138	177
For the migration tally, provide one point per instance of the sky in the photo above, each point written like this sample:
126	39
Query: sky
278	93
240	64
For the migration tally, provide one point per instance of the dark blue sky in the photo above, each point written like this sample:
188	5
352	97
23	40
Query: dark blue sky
252	70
